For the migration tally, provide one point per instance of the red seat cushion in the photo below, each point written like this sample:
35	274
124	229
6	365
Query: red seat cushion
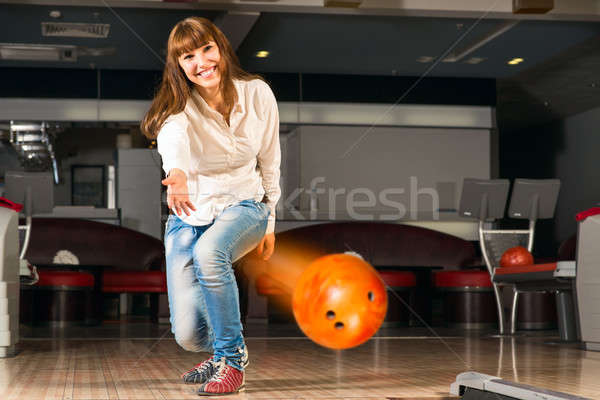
526	268
463	279
134	282
65	278
396	279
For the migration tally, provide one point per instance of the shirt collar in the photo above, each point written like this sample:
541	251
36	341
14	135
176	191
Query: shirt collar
201	103
239	105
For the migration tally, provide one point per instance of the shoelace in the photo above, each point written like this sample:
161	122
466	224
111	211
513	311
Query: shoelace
220	367
203	367
244	359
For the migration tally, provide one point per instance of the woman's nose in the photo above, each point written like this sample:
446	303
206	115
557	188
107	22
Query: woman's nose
201	63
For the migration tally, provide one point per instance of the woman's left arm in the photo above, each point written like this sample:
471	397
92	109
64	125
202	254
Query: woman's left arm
269	161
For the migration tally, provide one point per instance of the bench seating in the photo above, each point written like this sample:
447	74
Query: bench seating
132	262
58	298
379	243
468	298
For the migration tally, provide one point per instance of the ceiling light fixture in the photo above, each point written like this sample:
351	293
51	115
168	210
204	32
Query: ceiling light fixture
342	3
425	59
532	6
515	61
262	54
474	60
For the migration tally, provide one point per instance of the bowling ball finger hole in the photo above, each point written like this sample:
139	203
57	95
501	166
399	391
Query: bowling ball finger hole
330	314
339	325
370	296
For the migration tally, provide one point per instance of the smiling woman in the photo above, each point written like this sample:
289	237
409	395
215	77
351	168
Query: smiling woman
201	67
217	131
196	64
189	39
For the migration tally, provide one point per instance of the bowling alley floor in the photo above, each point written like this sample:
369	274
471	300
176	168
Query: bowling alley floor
139	360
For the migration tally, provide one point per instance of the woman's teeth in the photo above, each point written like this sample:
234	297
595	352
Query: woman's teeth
208	72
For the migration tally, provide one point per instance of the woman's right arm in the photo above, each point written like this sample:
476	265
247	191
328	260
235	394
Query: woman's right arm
174	148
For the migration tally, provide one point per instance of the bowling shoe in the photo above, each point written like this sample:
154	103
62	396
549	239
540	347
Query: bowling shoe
201	372
226	380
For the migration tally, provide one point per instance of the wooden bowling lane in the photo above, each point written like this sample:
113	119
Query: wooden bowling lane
293	368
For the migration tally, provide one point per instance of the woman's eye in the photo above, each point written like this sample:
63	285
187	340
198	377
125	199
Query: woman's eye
187	57
207	48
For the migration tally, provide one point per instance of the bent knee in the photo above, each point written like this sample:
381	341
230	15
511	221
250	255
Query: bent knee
213	257
213	267
192	343
191	338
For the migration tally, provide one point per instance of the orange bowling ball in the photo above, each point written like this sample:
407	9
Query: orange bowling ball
339	301
516	257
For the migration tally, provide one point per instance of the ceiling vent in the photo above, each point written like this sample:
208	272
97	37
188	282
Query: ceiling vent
37	52
50	52
79	30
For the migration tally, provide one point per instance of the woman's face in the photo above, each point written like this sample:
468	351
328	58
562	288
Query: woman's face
201	65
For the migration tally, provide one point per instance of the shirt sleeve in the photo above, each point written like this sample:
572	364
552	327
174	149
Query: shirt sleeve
173	145
269	155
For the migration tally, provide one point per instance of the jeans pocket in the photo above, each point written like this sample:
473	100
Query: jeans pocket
251	202
259	206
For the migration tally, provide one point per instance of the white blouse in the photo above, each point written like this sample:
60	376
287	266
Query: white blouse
226	164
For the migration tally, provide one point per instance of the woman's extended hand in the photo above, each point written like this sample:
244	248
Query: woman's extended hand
177	192
266	246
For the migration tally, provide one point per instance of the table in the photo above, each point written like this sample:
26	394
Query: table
421	302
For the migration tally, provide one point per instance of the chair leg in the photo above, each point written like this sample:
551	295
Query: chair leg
123	303
163	309
154	307
500	306
513	317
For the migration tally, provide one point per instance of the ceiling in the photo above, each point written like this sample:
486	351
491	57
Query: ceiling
563	85
561	55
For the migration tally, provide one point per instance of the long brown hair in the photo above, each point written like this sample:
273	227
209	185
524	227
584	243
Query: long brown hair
175	89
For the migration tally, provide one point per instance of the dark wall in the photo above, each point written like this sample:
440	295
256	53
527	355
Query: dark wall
125	84
566	149
578	166
531	153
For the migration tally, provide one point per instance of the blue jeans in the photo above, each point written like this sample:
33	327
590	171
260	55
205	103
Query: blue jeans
203	294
